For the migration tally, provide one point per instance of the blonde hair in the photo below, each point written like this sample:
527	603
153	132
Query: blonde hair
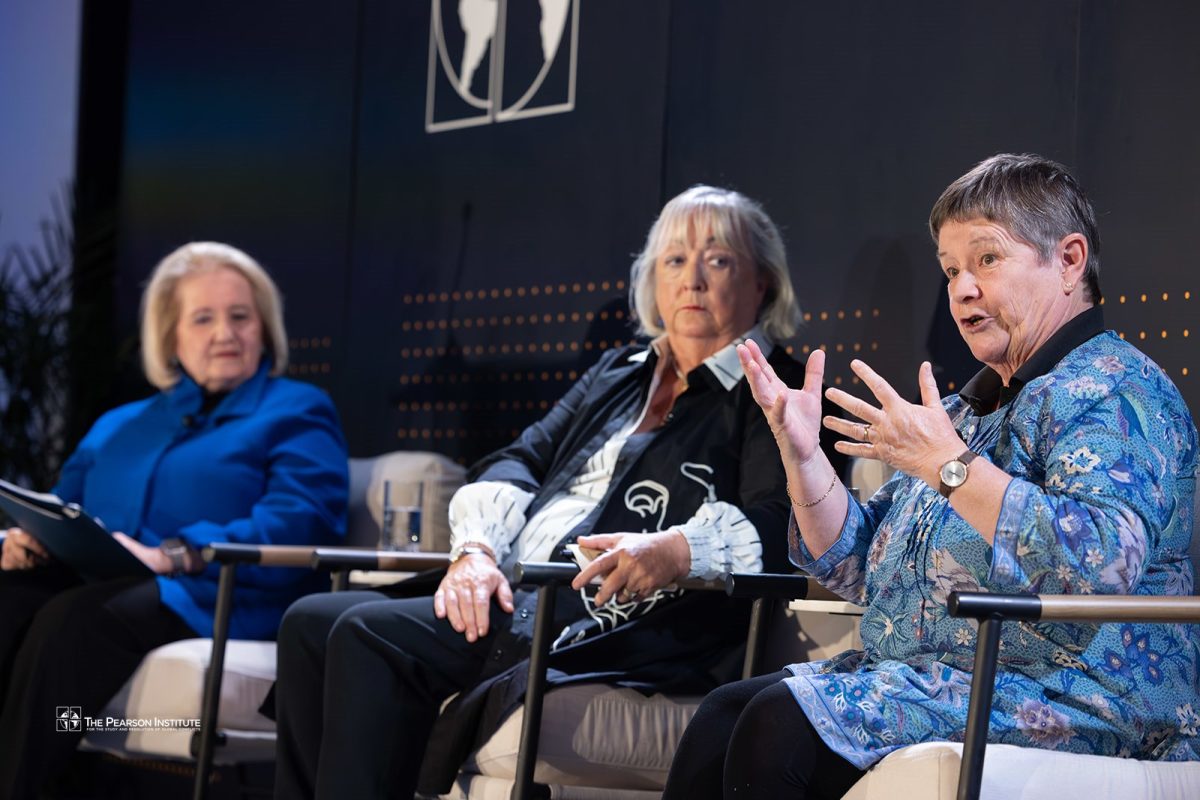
734	221
160	307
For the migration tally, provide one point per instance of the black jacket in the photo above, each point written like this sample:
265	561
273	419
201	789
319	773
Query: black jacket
709	427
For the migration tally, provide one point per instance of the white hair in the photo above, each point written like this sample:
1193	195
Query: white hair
160	306
734	221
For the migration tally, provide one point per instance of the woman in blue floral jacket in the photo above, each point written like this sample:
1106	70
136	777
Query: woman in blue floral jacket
1066	466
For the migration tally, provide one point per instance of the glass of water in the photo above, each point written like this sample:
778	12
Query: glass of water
409	535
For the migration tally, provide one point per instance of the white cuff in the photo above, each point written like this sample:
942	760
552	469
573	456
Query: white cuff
488	512
722	540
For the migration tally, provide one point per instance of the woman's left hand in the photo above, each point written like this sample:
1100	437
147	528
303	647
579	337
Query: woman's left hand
154	558
634	565
21	551
915	439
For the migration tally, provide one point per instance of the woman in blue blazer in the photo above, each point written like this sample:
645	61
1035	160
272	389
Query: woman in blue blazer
227	451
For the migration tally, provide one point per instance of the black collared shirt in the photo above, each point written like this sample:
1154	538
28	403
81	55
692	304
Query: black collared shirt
986	392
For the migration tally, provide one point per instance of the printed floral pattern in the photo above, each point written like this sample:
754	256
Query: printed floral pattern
1045	726
1102	450
1188	719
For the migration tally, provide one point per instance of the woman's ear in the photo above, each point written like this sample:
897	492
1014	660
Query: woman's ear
1072	258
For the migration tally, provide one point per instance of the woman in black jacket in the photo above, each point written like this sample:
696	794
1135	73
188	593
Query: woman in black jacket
658	462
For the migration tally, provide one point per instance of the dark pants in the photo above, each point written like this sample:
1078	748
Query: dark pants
751	740
360	680
63	643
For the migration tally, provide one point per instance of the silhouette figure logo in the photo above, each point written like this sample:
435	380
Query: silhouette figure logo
68	718
499	60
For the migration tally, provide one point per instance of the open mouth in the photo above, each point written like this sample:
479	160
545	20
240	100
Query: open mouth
974	321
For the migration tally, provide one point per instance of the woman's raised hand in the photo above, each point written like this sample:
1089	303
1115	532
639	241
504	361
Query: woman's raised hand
912	437
793	414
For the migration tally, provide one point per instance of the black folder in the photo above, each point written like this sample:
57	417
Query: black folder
71	535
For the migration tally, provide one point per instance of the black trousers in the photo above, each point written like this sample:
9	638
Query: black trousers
750	740
63	643
360	680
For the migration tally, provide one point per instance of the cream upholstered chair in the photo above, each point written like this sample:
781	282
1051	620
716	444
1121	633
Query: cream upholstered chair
600	742
934	770
999	771
170	682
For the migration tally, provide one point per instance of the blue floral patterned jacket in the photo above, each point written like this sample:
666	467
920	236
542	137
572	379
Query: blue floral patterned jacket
1102	451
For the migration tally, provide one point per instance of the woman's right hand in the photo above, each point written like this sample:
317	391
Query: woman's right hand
465	594
21	551
793	414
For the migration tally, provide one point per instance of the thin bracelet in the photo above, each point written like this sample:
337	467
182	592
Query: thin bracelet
798	504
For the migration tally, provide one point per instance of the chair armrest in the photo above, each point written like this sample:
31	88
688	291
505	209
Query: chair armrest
328	558
1075	607
735	584
267	555
543	573
777	586
546	573
992	610
333	558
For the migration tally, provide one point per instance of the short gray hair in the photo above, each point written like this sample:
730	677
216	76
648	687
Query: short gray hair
736	222
1035	198
160	306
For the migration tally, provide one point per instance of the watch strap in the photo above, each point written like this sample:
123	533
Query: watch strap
176	549
470	548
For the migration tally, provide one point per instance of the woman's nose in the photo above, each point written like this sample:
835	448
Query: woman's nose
223	331
964	288
693	274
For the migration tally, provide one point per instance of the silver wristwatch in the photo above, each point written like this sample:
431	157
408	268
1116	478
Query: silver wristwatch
467	549
953	473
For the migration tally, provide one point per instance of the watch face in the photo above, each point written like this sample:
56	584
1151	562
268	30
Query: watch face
954	473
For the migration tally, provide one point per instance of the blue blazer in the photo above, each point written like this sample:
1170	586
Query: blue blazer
266	466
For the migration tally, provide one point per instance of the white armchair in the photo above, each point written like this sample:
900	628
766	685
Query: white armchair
934	770
170	682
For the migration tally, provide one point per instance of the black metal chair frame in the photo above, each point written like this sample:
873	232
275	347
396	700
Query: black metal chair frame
992	610
338	560
766	590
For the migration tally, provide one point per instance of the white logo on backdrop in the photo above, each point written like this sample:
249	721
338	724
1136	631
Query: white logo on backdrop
485	53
